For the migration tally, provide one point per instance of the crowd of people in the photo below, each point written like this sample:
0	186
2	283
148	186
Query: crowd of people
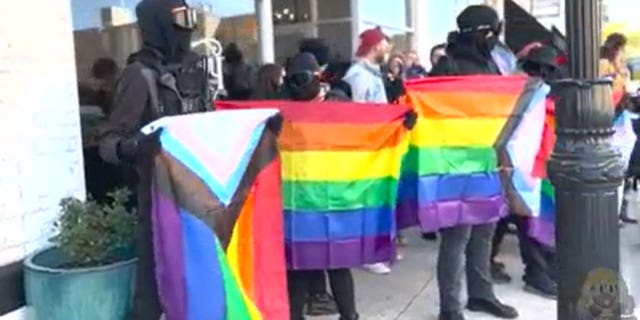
376	75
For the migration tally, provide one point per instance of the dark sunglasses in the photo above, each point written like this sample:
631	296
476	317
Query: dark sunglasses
185	18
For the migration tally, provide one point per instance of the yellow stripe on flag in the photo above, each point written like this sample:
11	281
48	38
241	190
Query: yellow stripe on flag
342	166
456	132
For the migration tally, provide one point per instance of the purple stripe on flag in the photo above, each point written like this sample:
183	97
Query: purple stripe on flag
446	214
422	197
169	256
351	253
543	231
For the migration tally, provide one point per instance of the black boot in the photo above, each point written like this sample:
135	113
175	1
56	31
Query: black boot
352	317
451	316
492	307
498	275
541	286
321	305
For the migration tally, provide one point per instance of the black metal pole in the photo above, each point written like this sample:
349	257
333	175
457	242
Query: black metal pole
584	168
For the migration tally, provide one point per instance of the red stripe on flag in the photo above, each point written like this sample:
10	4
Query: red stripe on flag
323	112
480	84
271	296
548	140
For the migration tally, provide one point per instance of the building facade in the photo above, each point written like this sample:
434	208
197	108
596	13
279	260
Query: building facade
40	138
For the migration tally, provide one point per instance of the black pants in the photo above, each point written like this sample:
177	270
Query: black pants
146	304
301	281
539	260
464	250
318	284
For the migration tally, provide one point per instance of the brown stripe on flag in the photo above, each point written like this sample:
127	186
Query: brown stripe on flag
191	193
514	200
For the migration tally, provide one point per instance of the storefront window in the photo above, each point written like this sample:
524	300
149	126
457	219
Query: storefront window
291	11
389	13
338	36
107	29
106	34
333	9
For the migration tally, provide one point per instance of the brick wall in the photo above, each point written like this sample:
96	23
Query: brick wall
40	142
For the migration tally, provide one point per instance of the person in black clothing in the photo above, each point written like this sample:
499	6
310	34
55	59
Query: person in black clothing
269	84
318	48
394	80
333	74
237	74
469	53
437	52
539	260
303	83
148	90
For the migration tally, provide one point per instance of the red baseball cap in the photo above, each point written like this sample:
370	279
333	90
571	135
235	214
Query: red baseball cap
369	39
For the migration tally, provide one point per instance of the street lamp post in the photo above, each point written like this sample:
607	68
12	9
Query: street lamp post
584	168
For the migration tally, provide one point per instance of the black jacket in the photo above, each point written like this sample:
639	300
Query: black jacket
463	58
634	161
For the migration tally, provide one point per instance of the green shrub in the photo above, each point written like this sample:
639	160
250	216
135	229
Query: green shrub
93	234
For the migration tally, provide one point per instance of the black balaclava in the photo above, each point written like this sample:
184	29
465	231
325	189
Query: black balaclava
159	32
474	24
541	62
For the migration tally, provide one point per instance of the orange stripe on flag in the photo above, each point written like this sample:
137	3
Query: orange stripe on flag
240	250
461	104
305	136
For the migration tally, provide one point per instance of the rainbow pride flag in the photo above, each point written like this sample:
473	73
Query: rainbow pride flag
340	169
217	218
542	224
470	148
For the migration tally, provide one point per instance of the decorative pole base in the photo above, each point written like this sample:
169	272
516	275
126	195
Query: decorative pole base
586	172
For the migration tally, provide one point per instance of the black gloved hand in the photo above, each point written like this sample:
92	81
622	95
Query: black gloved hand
410	119
132	149
274	124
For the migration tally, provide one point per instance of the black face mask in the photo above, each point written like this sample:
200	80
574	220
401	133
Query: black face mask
488	44
166	28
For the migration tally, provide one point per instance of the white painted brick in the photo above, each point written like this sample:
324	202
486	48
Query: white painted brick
12	232
40	143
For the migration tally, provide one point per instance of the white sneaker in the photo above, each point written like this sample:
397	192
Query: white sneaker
377	268
399	256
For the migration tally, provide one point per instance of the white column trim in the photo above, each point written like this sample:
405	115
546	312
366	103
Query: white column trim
313	6
355	26
264	15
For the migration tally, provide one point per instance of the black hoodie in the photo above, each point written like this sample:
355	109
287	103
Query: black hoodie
163	44
161	39
465	57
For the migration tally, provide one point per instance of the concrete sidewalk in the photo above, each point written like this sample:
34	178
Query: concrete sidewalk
410	292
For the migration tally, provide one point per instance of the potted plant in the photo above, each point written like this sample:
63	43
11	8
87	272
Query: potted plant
88	273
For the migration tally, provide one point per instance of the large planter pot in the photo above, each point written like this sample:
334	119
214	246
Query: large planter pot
97	293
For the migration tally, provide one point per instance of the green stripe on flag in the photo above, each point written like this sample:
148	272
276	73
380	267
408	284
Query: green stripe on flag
237	309
349	195
450	160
